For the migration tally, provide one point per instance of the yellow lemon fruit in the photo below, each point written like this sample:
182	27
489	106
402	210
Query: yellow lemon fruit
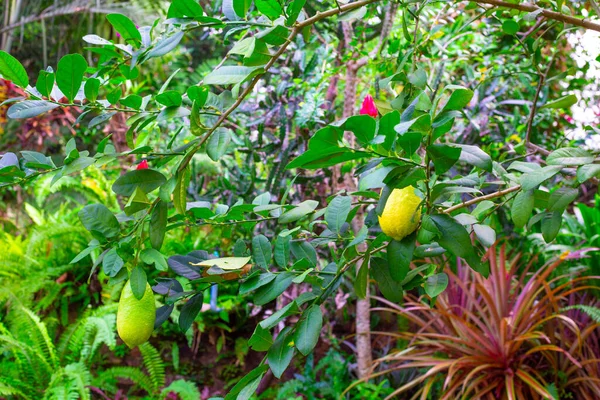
401	214
135	318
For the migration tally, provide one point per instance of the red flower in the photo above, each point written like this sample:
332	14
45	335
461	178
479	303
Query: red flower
368	107
143	165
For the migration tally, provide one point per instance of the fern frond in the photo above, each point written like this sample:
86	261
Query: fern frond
69	383
106	379
41	339
154	365
184	389
590	311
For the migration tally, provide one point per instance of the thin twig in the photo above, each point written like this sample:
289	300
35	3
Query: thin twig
476	200
545	13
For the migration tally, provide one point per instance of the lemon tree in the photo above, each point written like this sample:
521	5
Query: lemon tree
425	197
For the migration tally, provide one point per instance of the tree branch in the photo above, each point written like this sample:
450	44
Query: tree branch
545	13
482	198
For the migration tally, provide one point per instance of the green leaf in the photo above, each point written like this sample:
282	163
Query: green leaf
137	281
475	156
261	339
400	255
137	202
522	207
510	27
170	98
273	289
217	144
98	218
184	8
230	75
246	381
455	238
91	89
269	8
256	282
125	27
33	159
114	96
386	128
362	280
282	250
570	156
281	353
45	83
533	179
261	250
11	69
293	11
146	179
337	212
436	284
190	311
158	224
198	94
304	251
380	271
298	212
132	101
589	171
69	75
443	157
180	191
561	198
308	329
563	102
485	234
551	225
152	256
459	98
278	316
112	262
29	109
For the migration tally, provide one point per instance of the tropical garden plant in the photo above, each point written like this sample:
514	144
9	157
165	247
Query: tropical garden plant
458	142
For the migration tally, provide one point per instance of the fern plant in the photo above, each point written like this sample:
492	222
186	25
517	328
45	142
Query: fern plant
35	368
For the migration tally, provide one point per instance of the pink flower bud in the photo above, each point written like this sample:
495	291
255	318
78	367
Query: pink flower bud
368	107
143	165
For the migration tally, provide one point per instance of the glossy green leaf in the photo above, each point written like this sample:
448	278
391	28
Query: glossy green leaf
97	217
261	250
218	143
443	157
45	83
522	208
190	311
11	69
337	212
400	255
570	156
125	27
137	281
29	109
69	74
308	329
436	284
281	353
563	102
112	263
158	224
380	271
269	8
146	179
561	198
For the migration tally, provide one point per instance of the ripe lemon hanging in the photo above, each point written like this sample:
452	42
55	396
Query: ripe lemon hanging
401	214
135	318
